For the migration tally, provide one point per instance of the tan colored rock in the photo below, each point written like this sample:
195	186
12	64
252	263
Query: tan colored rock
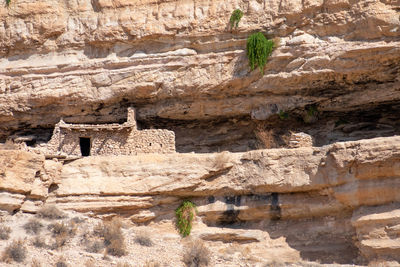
19	170
94	54
10	202
378	230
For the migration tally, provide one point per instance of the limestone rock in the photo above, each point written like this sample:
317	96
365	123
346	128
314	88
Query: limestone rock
10	202
19	170
378	231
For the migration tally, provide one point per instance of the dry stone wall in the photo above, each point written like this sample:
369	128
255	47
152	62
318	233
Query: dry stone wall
110	139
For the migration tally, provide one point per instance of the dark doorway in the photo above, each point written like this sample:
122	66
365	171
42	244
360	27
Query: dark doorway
84	143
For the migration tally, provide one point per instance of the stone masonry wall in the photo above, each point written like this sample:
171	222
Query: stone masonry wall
123	141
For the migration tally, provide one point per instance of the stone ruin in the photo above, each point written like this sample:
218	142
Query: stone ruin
108	139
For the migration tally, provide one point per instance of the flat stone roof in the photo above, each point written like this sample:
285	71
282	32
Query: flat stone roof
113	126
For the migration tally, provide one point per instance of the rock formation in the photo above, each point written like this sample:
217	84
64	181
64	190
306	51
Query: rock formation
330	92
329	203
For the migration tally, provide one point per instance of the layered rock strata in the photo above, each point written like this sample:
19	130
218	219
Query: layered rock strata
179	62
329	193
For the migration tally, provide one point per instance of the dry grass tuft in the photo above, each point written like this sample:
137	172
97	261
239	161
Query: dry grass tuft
33	226
62	232
95	246
116	248
4	232
51	212
142	238
196	254
265	136
61	262
16	251
112	236
38	242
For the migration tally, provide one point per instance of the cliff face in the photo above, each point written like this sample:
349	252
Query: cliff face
338	203
335	74
183	68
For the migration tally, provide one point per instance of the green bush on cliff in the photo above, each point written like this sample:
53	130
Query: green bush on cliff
258	50
184	217
237	14
8	2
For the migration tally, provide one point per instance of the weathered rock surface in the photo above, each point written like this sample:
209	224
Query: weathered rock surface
336	200
178	61
335	73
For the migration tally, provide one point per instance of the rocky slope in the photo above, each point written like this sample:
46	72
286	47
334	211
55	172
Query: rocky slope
337	203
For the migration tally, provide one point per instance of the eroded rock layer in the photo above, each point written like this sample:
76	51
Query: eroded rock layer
180	65
329	203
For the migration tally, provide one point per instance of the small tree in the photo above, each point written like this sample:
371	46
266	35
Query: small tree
258	50
237	14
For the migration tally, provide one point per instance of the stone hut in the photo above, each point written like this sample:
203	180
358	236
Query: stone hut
109	139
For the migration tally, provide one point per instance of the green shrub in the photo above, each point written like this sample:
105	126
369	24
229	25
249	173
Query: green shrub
237	14
311	114
258	50
8	2
283	115
184	217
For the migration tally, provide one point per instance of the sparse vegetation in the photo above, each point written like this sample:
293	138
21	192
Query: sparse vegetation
236	16
33	226
184	216
39	242
95	246
112	236
258	50
4	232
311	114
61	262
265	136
16	251
62	233
116	248
143	239
283	115
60	228
51	213
8	2
196	254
